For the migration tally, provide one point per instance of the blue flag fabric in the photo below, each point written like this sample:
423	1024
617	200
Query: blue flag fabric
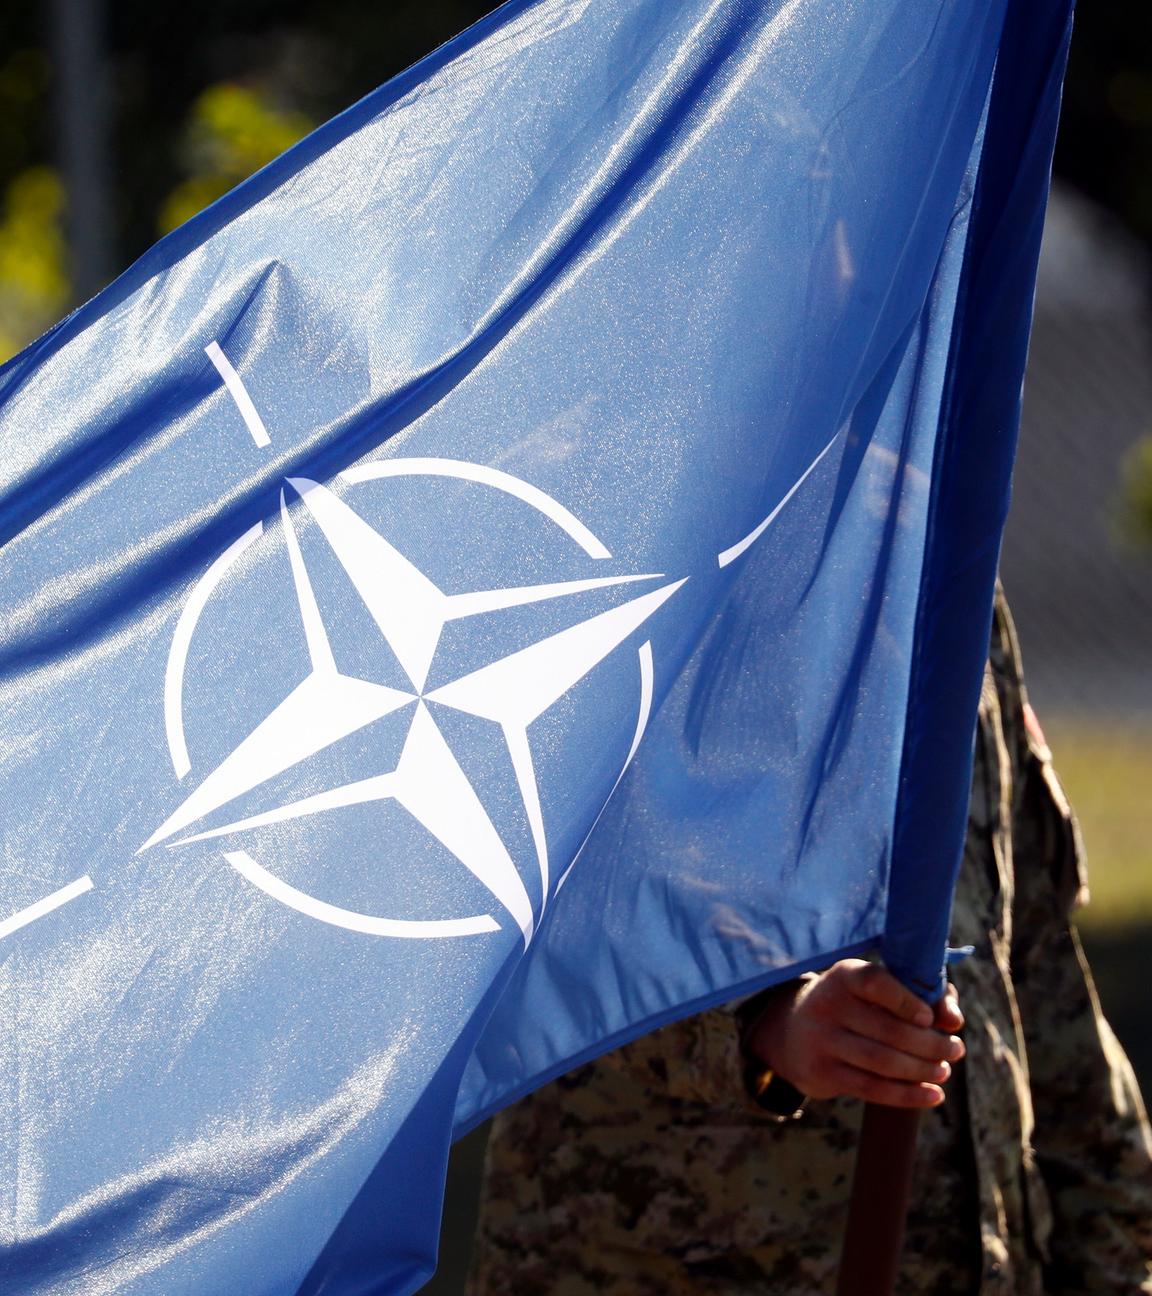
514	572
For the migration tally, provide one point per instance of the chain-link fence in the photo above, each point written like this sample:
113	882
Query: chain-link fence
1080	588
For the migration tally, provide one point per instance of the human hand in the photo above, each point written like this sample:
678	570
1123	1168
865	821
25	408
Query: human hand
855	1030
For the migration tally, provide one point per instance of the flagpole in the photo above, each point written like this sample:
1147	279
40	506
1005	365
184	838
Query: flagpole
874	1234
77	36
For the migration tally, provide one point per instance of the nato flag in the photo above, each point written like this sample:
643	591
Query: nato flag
486	587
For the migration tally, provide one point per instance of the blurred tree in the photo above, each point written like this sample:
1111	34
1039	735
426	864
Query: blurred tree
232	131
1138	492
33	285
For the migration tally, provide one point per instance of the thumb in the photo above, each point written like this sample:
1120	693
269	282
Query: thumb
948	1016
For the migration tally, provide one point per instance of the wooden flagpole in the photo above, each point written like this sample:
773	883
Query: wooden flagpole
874	1235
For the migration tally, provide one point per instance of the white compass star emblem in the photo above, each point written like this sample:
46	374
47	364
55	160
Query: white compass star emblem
428	781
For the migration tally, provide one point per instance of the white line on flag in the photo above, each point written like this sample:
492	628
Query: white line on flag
45	906
239	393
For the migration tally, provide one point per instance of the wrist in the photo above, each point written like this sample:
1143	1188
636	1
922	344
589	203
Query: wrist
763	1027
763	1022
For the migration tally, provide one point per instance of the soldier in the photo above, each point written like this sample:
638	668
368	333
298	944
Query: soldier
652	1170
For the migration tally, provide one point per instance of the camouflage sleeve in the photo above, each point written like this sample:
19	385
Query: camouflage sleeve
1091	1137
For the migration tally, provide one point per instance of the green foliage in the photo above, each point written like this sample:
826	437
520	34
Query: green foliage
33	282
232	131
1106	770
1137	502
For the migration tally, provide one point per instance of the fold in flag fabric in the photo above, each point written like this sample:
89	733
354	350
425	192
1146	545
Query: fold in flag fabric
515	572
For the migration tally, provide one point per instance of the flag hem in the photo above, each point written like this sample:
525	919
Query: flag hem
972	482
689	1008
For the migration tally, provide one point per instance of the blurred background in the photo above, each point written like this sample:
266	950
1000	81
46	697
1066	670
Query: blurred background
118	122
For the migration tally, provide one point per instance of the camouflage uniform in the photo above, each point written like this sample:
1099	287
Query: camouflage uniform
648	1171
